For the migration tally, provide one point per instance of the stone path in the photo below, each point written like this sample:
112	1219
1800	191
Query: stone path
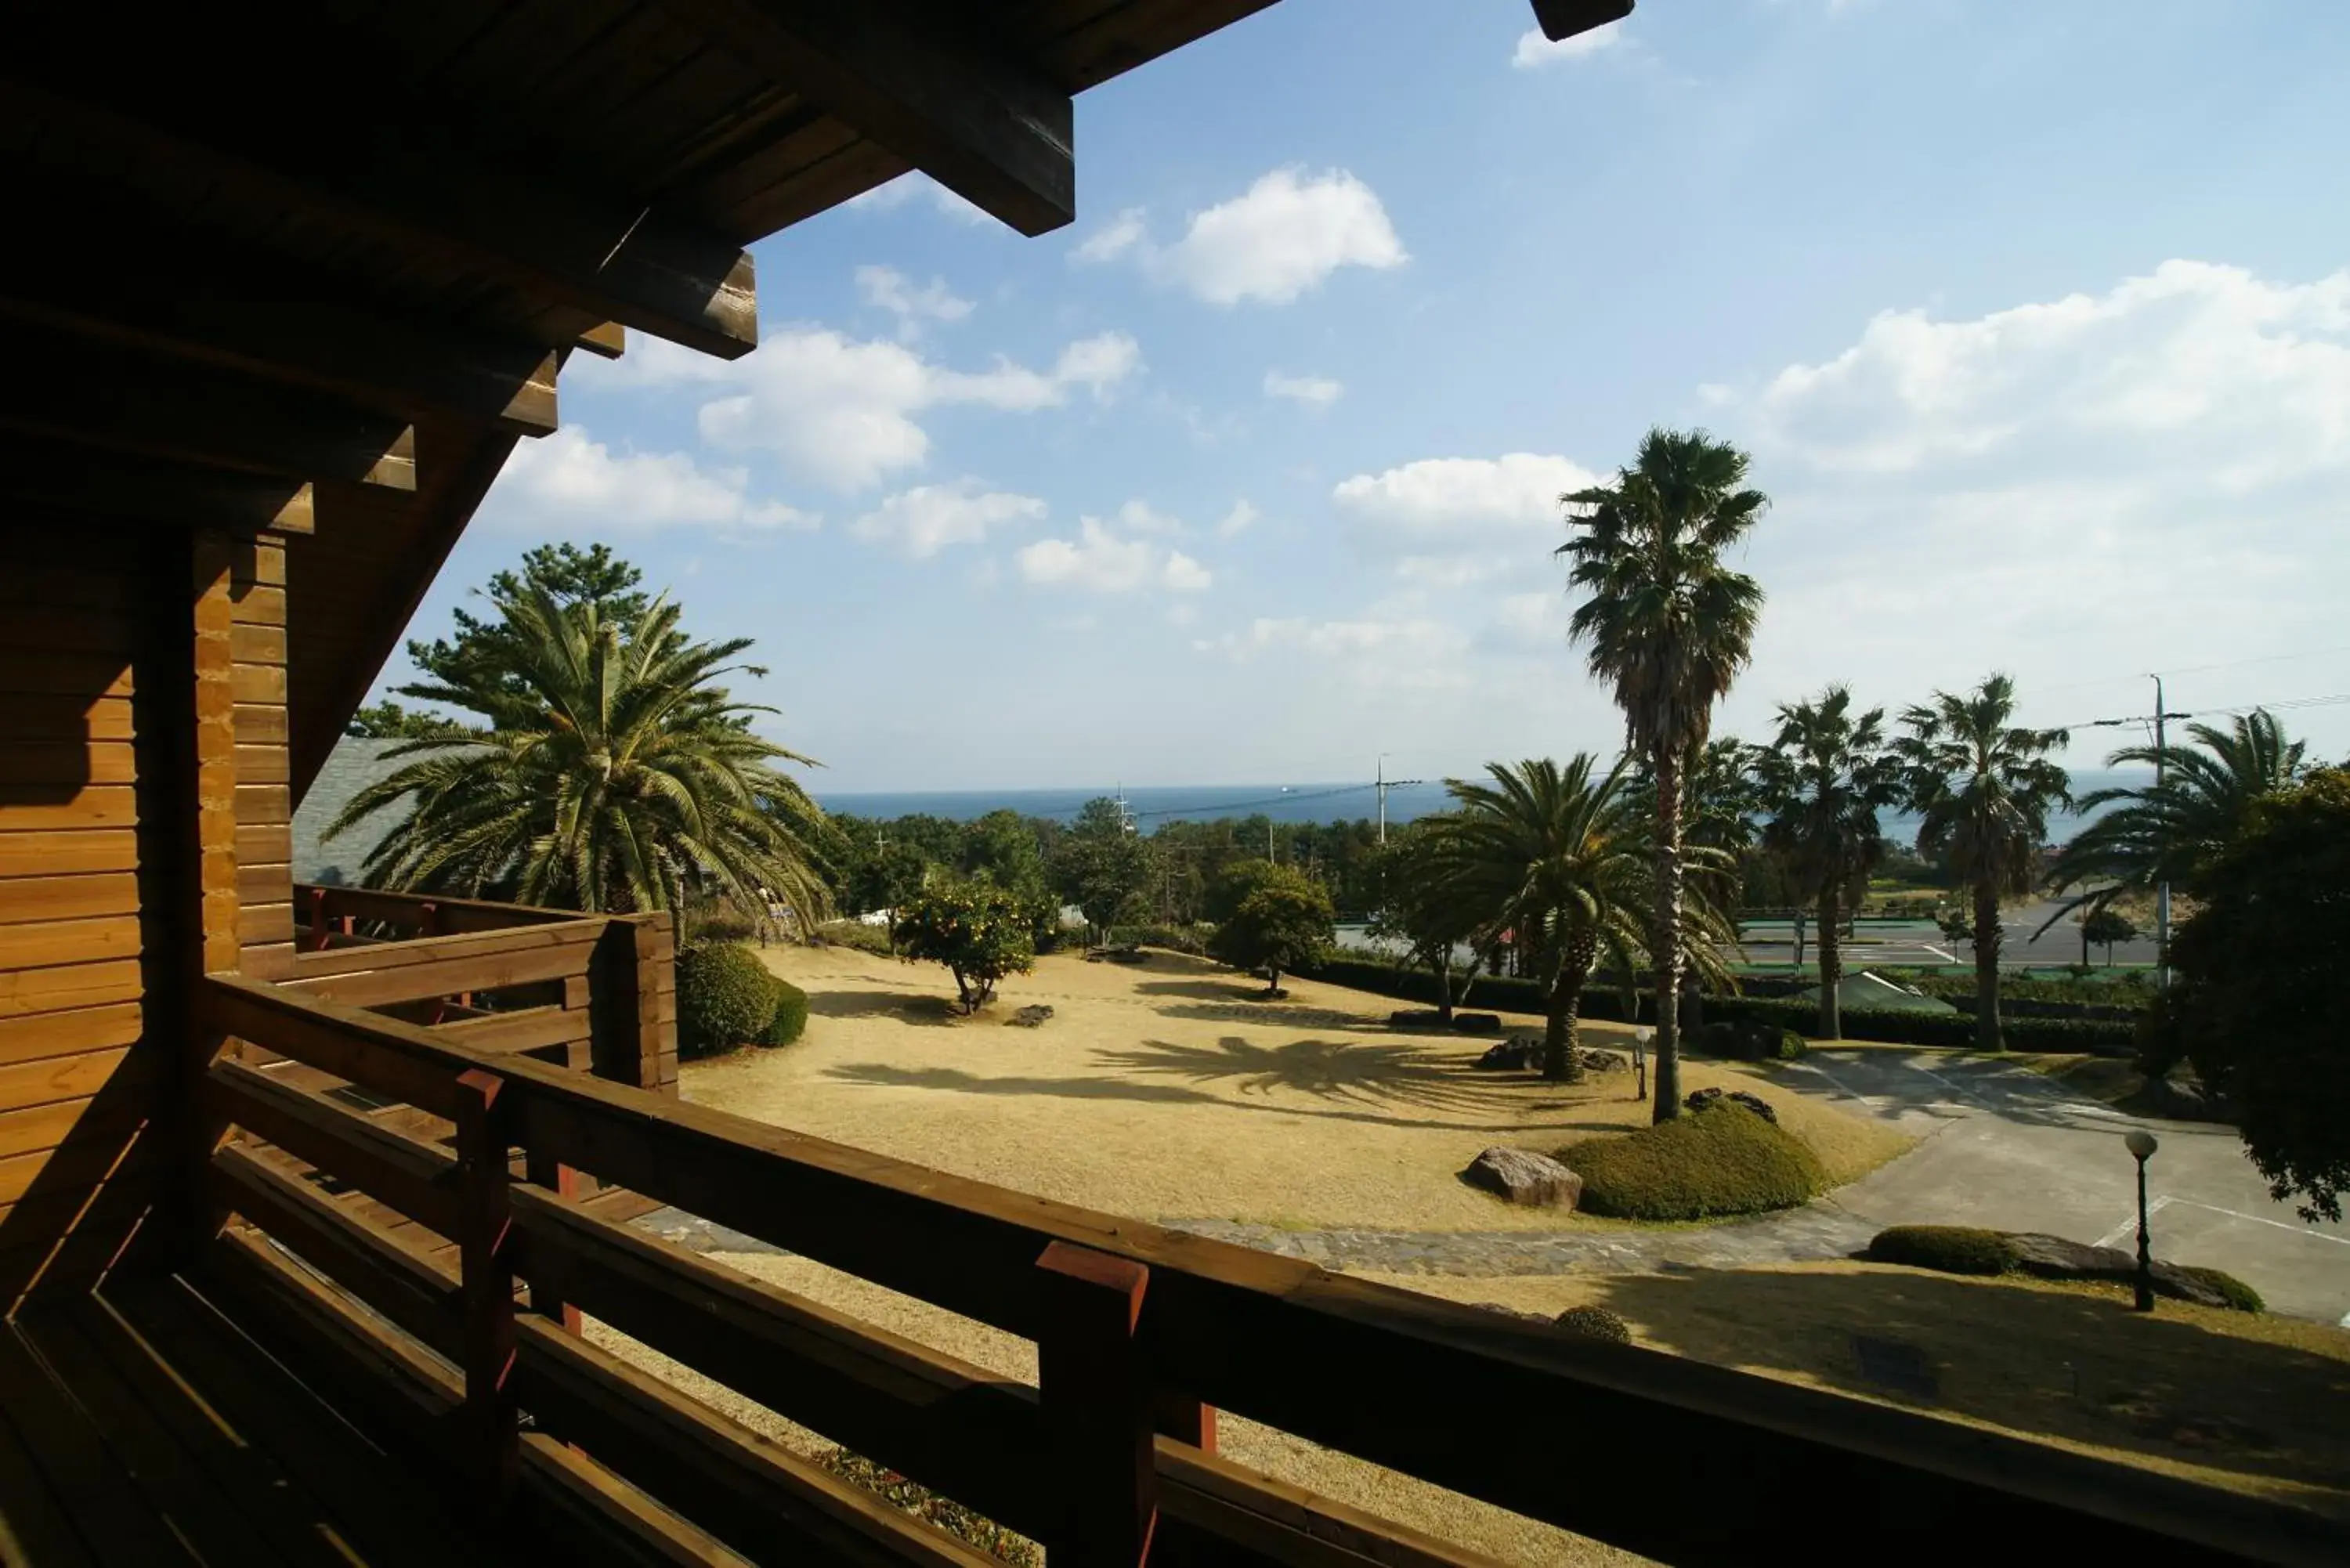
1817	1230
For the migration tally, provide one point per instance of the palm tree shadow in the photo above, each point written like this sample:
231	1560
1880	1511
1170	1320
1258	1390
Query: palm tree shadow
1368	1073
907	1007
955	1080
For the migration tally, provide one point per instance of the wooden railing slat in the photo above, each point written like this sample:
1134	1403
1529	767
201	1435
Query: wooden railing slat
403	1287
740	1486
410	1176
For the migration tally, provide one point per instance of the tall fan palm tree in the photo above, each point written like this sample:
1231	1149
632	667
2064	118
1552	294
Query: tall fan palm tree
1554	857
1984	786
2172	831
1669	627
1720	800
1825	777
612	775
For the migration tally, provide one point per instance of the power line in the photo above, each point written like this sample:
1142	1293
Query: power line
2192	668
2237	712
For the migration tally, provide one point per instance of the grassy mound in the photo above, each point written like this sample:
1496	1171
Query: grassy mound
2240	1297
1723	1159
1950	1249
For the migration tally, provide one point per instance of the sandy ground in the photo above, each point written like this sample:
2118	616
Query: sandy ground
1168	1091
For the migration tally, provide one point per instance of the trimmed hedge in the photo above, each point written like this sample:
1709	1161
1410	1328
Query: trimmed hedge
1747	1039
1950	1249
2238	1294
791	1016
1595	1322
1607	1003
1723	1159
865	938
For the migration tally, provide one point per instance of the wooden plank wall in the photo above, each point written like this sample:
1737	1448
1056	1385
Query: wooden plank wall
98	625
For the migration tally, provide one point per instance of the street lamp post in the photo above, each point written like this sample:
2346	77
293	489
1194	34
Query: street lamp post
2141	1145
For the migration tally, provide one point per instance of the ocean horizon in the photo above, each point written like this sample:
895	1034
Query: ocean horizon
1316	803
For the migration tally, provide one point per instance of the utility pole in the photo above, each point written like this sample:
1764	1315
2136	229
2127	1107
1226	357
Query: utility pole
1384	784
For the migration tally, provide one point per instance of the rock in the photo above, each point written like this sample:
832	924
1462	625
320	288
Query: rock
2054	1258
1517	1176
1605	1061
1516	1055
1030	1017
1510	1311
1755	1102
1477	1022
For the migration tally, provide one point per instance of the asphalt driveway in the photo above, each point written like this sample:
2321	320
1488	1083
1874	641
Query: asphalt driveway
2009	1148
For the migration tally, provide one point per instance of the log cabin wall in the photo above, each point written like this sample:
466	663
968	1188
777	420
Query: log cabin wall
130	659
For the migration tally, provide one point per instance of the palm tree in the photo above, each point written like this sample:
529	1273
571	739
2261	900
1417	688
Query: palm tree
2171	830
1720	801
612	775
1826	777
1554	857
1669	627
1984	787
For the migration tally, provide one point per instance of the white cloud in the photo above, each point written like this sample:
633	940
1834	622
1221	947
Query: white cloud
1461	498
1534	51
840	411
1113	239
1278	239
1141	517
2147	477
1239	520
1098	561
887	288
567	482
1416	637
920	522
1315	391
917	186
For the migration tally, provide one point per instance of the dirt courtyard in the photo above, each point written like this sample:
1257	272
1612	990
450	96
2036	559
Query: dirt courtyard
1168	1091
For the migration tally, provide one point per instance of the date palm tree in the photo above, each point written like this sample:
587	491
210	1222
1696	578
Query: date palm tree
612	773
2172	830
1984	787
1825	777
1554	857
1668	626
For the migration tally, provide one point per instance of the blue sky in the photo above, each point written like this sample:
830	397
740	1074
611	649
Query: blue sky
2035	318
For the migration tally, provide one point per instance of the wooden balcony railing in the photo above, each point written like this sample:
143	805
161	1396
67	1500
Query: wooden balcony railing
1140	1330
595	993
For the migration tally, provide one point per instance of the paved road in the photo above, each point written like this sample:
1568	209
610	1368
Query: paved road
1920	944
2006	1147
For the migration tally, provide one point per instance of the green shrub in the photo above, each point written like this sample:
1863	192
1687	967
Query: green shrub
1595	1322
1748	1040
791	1016
2239	1295
724	925
1951	1249
1191	940
1723	1159
725	998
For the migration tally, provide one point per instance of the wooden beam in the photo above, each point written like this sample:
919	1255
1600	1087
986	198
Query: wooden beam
255	315
1561	19
100	394
91	482
379	154
933	84
607	341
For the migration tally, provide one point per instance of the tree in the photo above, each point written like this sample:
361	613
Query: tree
1284	923
1001	848
1553	856
1984	787
1721	799
613	773
388	721
1826	774
1102	865
980	931
2106	927
1419	913
2173	830
1669	627
2257	1005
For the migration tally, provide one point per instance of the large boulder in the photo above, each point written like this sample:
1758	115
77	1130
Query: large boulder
1516	1055
1518	1176
1031	1016
1755	1102
2054	1258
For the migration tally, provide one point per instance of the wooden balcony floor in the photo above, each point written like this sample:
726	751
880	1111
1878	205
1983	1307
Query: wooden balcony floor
141	1427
